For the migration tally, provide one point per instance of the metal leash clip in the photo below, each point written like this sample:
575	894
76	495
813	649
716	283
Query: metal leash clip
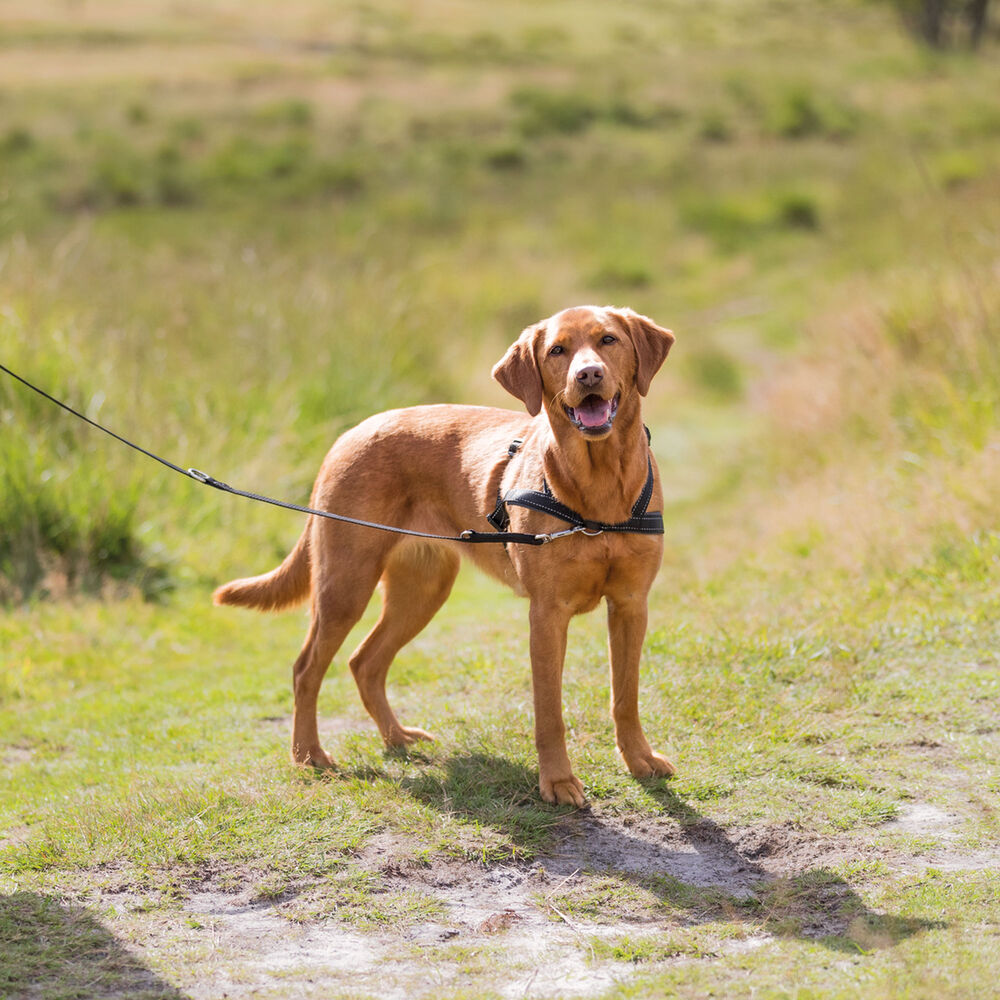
551	536
207	480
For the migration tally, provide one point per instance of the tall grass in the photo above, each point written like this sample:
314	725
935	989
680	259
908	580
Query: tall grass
287	218
883	449
242	268
66	524
913	365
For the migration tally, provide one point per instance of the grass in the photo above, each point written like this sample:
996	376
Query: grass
233	252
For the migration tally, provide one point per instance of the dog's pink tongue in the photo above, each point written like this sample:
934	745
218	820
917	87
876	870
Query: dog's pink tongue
594	412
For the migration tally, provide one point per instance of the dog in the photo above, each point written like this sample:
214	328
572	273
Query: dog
442	469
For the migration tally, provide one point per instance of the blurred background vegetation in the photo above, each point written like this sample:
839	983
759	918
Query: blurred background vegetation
231	230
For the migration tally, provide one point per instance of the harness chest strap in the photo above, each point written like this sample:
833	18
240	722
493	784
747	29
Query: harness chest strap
642	521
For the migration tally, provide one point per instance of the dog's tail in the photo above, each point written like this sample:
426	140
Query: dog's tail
281	588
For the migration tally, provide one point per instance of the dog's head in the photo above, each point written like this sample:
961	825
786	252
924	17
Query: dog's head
581	363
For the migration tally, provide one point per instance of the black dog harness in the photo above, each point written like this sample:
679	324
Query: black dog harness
642	521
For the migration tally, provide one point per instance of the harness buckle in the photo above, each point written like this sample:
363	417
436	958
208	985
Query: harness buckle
466	535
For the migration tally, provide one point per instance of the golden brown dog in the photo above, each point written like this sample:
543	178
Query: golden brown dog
440	469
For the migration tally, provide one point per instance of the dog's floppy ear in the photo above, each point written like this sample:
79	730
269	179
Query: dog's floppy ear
652	344
517	371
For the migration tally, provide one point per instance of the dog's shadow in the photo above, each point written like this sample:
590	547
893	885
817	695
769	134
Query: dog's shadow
49	947
698	870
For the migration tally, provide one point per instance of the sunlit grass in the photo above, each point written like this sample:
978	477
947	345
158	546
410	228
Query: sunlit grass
230	235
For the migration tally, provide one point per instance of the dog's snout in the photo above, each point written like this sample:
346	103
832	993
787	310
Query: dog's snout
590	375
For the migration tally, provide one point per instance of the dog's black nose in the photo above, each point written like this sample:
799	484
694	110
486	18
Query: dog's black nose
590	375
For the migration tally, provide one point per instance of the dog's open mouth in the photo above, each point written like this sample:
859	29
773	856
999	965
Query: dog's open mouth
593	415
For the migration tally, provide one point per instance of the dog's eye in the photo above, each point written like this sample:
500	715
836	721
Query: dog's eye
609	339
556	350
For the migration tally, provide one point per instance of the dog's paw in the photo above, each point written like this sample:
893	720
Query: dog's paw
562	791
650	765
404	736
314	756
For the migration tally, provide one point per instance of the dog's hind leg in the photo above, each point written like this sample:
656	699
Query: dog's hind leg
343	584
416	582
307	676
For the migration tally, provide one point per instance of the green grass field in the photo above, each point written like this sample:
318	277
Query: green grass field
230	232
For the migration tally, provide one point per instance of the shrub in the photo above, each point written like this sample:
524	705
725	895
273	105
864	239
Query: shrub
543	111
717	373
957	168
622	273
733	220
729	220
118	178
800	112
188	129
797	115
338	177
506	156
797	210
246	160
633	114
16	139
64	526
294	112
715	127
64	532
173	183
137	114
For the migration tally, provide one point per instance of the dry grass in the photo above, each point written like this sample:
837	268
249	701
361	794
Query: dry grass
229	230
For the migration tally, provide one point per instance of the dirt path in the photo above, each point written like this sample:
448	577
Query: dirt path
545	929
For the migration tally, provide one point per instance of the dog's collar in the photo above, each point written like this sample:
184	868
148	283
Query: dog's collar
642	521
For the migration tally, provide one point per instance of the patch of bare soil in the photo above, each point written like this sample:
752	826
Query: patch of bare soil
700	853
509	929
940	830
15	755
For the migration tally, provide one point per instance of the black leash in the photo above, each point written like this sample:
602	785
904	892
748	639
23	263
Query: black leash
468	536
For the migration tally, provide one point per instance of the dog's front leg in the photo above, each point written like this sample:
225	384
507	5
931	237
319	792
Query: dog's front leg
549	620
626	632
